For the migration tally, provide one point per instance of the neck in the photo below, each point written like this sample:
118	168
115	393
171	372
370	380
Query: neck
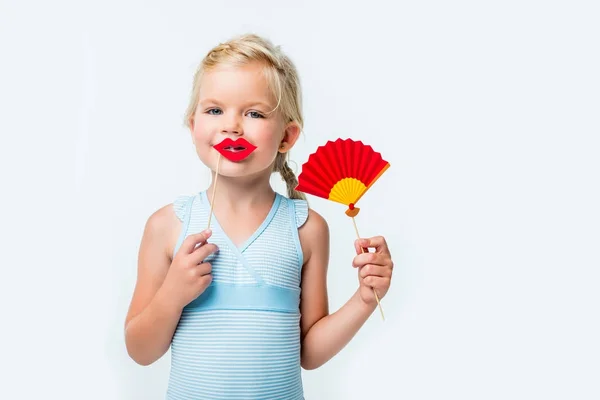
240	194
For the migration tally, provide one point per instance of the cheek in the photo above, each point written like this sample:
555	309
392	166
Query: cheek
202	128
266	131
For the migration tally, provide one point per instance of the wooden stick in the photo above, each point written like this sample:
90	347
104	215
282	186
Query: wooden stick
374	291
212	202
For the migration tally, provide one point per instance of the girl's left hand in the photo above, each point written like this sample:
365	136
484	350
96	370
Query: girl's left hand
374	269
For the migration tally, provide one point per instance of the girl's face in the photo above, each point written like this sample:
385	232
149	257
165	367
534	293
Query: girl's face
235	104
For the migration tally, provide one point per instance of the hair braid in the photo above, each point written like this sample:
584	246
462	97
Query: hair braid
287	174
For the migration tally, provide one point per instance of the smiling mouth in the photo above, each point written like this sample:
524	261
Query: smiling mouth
235	150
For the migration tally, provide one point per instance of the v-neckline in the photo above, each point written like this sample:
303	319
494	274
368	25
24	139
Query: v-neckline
245	244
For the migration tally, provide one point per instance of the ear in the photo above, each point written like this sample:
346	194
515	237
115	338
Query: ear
290	135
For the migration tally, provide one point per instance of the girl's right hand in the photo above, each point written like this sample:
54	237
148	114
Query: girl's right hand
189	276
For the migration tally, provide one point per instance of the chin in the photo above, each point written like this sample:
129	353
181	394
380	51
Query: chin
233	172
245	171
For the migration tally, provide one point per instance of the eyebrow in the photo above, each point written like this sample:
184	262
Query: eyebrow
213	101
260	103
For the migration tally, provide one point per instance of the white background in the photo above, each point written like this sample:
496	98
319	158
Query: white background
487	111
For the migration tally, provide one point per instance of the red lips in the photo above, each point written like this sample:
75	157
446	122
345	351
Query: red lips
235	150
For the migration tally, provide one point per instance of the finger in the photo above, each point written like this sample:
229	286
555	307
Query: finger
368	258
205	250
206	280
377	242
375	270
359	249
204	268
377	282
190	242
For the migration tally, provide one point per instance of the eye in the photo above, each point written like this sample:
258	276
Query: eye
214	111
255	114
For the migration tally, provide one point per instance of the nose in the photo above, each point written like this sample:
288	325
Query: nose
232	125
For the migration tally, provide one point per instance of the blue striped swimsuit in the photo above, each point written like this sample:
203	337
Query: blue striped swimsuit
240	339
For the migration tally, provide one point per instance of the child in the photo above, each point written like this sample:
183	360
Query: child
244	305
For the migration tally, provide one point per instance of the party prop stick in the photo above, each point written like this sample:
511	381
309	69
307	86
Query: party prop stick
212	202
233	150
342	171
374	291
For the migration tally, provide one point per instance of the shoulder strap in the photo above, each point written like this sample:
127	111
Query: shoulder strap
185	223
298	210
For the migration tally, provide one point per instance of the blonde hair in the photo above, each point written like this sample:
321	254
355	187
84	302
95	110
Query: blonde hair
282	78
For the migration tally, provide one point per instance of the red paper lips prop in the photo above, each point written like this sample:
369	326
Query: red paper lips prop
235	150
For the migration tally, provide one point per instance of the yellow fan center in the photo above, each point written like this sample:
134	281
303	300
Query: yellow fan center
347	190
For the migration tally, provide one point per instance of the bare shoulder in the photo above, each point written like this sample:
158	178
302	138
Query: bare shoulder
314	234
164	226
315	221
154	256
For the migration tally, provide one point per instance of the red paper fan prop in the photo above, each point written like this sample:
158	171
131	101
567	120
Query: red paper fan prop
342	171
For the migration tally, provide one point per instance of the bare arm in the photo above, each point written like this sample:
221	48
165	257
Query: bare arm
324	335
152	318
164	286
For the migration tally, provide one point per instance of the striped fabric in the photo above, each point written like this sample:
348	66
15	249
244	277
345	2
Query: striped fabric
241	338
